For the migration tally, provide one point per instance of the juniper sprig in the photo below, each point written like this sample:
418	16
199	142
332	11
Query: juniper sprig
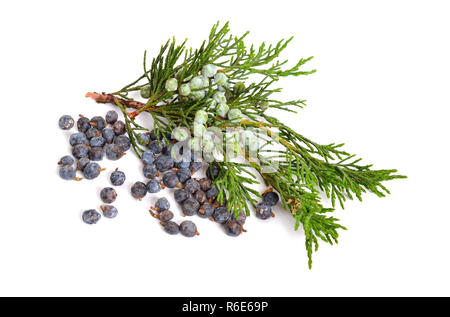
304	167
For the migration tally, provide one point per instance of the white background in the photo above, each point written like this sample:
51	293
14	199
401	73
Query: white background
382	86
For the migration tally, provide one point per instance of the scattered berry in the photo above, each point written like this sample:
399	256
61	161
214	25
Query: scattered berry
109	211
83	124
66	122
190	206
111	116
183	175
80	150
182	164
206	210
91	132
66	160
205	184
180	195
123	142
153	186
212	194
108	195
144	139
139	190
212	171
91	216
162	204
164	163
113	152
67	172
117	178
200	195
82	162
97	141
78	138
195	166
165	215
91	170
148	157
98	122
233	228
150	171
96	153
191	186
263	210
171	227
271	198
241	217
221	215
156	146
188	229
108	134
119	127
170	179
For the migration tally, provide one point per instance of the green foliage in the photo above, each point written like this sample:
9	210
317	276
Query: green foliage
306	168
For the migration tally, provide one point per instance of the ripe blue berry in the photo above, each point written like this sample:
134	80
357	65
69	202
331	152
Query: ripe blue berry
111	116
83	124
113	152
139	190
233	228
148	157
78	138
108	195
91	216
191	186
96	153
165	215
200	195
119	127
66	160
190	206
98	122
91	132
212	194
162	204
171	227
213	171
271	198
195	166
183	175
182	164
205	184
180	195
80	150
241	217
91	170
109	211
82	162
170	179
108	134
97	141
149	171
188	229
123	142
66	122
263	211
156	146
164	163
117	178
153	186
221	215
67	172
206	210
144	139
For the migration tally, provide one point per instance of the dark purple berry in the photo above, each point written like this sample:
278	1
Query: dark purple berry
98	141
111	116
109	211
149	171
156	146
148	157
83	124
233	228
241	217
171	227
117	178
195	166
96	153
180	195
271	198
200	195
206	210
221	215
153	186
191	186
113	152
119	127
108	134
98	122
188	228
67	172
66	122
205	184
123	142
78	138
170	179
263	211
91	132
139	190
165	215
164	163
183	175
212	194
182	164
108	195
82	162
91	170
212	171
80	150
190	206
162	204
91	216
66	160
